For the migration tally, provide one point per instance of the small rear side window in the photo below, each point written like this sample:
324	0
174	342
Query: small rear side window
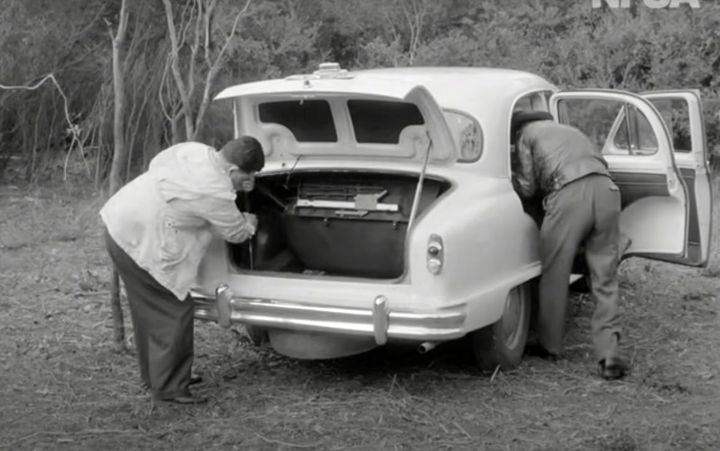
308	120
467	135
381	122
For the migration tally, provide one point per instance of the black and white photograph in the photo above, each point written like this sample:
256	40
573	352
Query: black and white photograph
360	225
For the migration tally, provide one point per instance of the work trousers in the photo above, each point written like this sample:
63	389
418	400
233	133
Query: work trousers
163	327
585	211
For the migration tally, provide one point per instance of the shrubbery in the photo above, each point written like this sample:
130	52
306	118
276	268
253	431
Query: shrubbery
569	43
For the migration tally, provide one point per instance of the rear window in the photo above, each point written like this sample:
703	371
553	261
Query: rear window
381	122
308	120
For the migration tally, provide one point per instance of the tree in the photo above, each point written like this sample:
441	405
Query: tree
195	24
120	155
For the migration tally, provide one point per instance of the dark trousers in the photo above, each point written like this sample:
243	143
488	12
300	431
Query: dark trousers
585	211
163	327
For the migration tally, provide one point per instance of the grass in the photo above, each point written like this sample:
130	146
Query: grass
64	386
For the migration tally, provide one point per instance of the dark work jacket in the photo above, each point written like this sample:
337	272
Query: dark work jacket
549	155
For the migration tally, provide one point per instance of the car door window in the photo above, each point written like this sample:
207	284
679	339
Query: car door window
676	114
615	127
634	134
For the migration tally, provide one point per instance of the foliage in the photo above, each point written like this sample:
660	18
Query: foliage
567	42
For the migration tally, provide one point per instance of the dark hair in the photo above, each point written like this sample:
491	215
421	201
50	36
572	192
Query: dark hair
522	117
246	152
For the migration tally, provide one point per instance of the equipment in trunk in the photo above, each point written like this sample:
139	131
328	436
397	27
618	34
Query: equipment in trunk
332	223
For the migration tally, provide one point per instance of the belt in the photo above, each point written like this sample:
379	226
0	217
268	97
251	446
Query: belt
558	184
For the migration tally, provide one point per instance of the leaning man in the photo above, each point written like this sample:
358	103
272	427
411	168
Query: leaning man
158	228
582	207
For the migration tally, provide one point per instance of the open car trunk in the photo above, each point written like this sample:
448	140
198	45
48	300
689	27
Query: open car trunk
332	223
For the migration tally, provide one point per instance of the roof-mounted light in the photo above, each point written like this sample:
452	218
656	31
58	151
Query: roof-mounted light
330	70
325	71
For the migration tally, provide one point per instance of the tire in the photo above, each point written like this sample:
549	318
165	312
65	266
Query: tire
503	343
258	335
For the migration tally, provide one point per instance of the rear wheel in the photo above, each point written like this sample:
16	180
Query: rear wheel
503	343
258	335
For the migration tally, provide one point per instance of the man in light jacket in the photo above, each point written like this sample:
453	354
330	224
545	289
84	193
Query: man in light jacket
582	207
158	228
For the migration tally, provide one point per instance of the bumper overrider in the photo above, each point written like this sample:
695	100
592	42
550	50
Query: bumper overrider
378	320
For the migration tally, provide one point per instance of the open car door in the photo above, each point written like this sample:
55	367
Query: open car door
639	150
683	115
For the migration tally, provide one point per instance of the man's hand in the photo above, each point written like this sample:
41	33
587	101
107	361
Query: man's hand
252	220
247	185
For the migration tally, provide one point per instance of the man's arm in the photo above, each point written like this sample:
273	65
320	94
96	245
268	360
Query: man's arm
523	169
224	218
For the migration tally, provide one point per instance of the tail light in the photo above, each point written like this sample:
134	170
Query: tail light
435	254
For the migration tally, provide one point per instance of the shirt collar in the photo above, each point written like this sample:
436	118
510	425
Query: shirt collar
220	163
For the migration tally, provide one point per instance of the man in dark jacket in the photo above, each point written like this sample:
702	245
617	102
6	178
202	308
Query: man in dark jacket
582	207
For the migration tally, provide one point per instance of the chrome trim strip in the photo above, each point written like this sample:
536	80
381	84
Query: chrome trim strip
379	321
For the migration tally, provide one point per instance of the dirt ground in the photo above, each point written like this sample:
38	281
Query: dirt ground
62	386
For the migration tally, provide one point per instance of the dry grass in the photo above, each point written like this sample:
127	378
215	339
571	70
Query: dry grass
63	386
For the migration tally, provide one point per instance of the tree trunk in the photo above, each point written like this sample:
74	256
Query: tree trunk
119	161
185	92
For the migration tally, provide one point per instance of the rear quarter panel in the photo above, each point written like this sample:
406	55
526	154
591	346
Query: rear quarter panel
490	246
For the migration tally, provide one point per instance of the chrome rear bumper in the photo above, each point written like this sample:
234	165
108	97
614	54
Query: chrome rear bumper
379	320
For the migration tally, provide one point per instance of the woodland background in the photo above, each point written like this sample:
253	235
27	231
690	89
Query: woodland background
65	386
174	55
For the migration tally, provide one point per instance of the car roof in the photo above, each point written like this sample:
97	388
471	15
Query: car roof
460	87
488	94
452	87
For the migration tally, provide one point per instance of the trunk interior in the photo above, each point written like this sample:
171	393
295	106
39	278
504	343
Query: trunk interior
332	223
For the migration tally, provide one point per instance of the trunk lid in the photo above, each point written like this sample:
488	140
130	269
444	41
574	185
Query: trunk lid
333	115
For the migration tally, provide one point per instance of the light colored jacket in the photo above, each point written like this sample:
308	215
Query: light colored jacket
551	155
165	218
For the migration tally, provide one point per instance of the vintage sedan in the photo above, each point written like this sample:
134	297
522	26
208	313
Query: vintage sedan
387	214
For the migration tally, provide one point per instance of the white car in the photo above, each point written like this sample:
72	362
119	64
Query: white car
387	212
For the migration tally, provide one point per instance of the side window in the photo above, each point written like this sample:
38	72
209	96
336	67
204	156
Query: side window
535	101
634	134
523	104
467	135
676	114
614	127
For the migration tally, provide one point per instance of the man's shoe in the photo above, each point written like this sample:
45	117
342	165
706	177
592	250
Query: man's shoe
185	399
612	369
194	379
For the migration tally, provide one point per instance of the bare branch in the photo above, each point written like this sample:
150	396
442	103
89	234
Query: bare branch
214	69
163	84
194	47
73	129
175	65
232	33
206	31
